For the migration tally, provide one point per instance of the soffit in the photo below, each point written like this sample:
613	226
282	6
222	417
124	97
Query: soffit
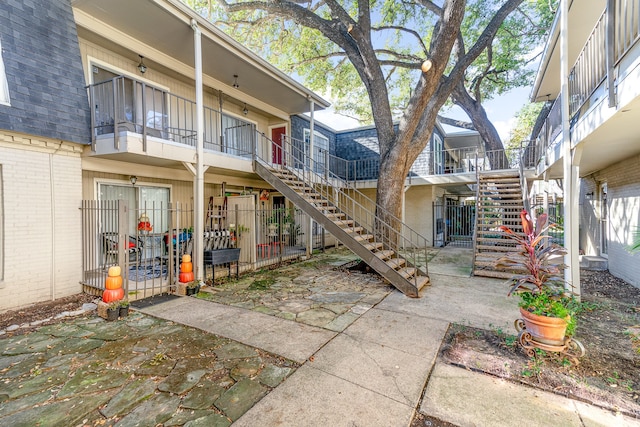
583	17
164	26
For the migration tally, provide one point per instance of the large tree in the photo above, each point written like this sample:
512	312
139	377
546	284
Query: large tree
405	58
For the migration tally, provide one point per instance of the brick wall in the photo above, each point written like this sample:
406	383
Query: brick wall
44	71
42	187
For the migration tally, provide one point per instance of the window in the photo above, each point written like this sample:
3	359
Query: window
320	146
4	86
438	155
152	201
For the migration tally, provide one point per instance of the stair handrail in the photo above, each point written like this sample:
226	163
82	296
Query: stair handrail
343	195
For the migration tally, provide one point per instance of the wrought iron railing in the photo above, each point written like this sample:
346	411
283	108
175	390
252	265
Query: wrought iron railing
387	229
126	104
441	162
590	68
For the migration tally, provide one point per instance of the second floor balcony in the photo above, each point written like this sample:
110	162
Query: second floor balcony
132	117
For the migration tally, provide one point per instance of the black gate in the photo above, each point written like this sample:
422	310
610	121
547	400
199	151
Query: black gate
453	224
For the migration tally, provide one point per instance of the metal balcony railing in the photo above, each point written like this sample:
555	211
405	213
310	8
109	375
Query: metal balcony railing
429	163
126	104
390	231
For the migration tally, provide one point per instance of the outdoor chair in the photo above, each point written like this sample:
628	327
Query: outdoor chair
110	248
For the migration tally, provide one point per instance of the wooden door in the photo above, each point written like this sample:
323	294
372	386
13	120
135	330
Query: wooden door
276	137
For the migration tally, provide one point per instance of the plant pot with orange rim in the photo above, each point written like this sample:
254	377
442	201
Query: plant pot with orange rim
547	309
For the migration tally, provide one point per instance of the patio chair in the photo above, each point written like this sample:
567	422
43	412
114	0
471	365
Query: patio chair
110	248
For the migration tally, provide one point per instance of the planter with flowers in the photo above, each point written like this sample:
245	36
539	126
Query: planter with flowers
548	312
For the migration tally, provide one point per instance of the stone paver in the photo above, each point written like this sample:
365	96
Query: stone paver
306	345
138	371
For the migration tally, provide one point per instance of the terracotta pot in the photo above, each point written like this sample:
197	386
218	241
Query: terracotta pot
546	330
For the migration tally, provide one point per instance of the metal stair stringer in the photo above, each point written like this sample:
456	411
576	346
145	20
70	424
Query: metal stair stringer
379	265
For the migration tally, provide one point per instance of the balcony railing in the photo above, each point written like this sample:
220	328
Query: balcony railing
590	68
429	163
126	104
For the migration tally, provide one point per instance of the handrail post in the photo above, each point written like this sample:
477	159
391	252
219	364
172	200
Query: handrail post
116	118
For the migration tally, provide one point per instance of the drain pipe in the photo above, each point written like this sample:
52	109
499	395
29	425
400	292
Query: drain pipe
198	228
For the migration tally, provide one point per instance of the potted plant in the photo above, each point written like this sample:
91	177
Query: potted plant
123	308
113	311
193	288
547	311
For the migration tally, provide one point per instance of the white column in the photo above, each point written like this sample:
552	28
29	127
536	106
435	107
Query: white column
311	126
198	228
572	273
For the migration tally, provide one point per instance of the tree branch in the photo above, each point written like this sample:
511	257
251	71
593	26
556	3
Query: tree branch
456	123
410	31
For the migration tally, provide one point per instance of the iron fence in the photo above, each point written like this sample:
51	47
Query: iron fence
148	242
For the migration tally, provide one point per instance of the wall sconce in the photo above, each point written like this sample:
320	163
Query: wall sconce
235	81
141	66
245	111
133	179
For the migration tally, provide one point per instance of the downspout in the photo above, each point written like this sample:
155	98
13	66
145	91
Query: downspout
198	229
572	273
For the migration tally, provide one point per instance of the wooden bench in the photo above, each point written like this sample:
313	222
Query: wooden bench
221	257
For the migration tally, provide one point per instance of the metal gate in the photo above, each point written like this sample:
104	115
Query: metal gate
453	224
146	243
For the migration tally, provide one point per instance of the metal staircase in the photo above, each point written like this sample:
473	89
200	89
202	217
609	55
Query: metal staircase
390	247
499	202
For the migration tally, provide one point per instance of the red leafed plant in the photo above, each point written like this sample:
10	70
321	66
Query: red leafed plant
538	280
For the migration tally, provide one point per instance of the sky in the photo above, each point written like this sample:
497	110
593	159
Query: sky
501	112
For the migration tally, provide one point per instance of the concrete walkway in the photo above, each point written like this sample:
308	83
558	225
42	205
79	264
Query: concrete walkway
374	372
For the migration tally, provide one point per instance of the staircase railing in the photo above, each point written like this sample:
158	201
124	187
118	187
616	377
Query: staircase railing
317	168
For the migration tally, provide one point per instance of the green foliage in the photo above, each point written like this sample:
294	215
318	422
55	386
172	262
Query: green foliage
262	284
401	34
525	120
539	284
635	246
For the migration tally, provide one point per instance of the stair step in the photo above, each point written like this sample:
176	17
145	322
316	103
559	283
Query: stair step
335	215
492	273
327	209
353	229
421	281
363	237
497	248
344	223
385	254
396	263
407	272
372	246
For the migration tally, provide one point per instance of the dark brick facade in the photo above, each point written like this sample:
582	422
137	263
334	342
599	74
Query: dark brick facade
361	146
44	71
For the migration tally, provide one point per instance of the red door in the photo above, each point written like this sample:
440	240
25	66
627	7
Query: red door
276	137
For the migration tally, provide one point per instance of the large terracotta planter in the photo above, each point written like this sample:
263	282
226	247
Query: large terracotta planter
546	330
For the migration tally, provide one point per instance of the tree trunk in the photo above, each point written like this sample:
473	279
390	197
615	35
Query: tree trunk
490	137
389	193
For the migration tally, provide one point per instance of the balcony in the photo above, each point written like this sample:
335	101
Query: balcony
603	91
440	166
133	117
